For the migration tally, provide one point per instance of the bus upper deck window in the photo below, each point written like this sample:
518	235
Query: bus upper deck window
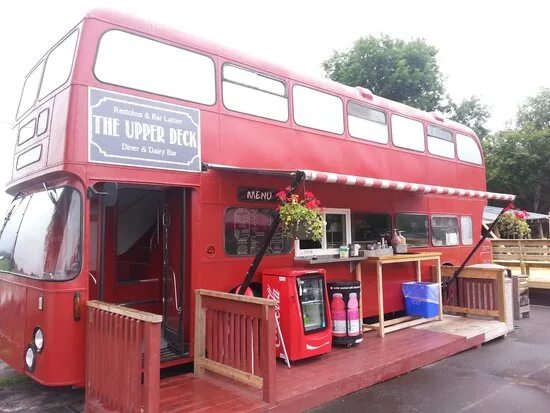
167	70
440	142
58	65
30	90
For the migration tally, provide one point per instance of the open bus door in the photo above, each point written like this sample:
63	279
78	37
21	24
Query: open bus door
140	240
173	227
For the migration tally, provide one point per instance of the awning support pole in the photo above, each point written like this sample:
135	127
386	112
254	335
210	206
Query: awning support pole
483	238
298	178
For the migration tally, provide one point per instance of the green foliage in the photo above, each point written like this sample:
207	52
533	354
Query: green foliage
513	227
470	112
301	213
535	112
403	71
518	162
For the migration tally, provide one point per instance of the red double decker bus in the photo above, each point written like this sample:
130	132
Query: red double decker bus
146	166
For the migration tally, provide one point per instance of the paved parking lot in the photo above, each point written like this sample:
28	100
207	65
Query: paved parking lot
508	375
20	394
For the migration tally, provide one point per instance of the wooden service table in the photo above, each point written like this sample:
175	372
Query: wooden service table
382	326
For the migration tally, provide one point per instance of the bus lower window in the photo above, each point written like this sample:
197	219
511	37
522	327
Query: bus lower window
444	230
369	227
47	244
414	227
245	229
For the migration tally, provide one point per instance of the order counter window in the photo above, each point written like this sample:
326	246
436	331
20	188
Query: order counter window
337	232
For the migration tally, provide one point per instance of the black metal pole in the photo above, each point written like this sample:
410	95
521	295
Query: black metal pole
483	238
298	178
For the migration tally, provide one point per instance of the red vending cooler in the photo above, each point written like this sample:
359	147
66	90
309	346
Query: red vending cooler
302	310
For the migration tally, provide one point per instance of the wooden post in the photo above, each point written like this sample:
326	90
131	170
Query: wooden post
380	299
438	272
358	277
200	334
501	297
151	367
268	354
521	262
418	271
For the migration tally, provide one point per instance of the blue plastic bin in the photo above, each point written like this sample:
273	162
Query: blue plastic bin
421	299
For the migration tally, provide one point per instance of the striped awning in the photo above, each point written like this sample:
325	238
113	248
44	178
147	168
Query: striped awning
363	181
366	182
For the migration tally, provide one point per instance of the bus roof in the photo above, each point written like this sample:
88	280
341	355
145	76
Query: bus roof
128	21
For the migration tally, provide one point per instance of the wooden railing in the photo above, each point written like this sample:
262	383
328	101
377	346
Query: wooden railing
235	337
122	359
476	291
525	253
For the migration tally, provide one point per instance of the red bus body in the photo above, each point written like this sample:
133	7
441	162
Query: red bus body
197	202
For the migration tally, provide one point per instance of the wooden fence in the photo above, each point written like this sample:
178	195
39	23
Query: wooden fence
476	291
122	359
235	337
525	253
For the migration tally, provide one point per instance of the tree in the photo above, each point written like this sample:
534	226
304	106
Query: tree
403	71
535	112
470	112
518	162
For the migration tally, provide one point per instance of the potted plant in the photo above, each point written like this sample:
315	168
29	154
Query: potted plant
300	216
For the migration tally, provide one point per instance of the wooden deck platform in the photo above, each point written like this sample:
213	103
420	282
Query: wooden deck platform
315	381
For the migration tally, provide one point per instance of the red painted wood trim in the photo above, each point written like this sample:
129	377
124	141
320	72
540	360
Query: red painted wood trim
228	306
151	367
268	355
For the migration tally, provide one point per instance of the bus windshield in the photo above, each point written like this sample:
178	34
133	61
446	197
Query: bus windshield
41	235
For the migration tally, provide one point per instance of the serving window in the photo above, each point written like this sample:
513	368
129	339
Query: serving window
337	232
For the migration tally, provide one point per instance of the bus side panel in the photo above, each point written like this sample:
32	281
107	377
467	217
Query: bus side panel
61	362
12	329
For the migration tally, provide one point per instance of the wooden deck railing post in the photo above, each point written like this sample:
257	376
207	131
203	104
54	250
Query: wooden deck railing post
151	367
122	360
200	334
235	337
501	297
268	354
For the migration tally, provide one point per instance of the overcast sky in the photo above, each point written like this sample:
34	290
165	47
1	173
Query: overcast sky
497	50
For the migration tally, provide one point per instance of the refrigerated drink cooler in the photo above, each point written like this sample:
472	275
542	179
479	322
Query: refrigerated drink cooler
302	311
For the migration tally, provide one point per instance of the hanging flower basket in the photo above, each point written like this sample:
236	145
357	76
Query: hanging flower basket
300	216
298	230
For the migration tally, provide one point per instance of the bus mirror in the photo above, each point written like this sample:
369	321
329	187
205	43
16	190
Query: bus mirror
110	190
109	193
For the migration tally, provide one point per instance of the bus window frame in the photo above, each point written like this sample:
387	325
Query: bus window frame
458	229
259	73
372	107
403	148
47	58
428	228
344	132
171	44
80	241
19	116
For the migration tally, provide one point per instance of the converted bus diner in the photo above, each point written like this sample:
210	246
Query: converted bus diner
156	198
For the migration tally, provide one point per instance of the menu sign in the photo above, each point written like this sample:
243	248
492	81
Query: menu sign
128	130
256	194
245	230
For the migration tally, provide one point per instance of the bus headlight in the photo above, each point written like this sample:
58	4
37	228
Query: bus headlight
38	338
30	358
